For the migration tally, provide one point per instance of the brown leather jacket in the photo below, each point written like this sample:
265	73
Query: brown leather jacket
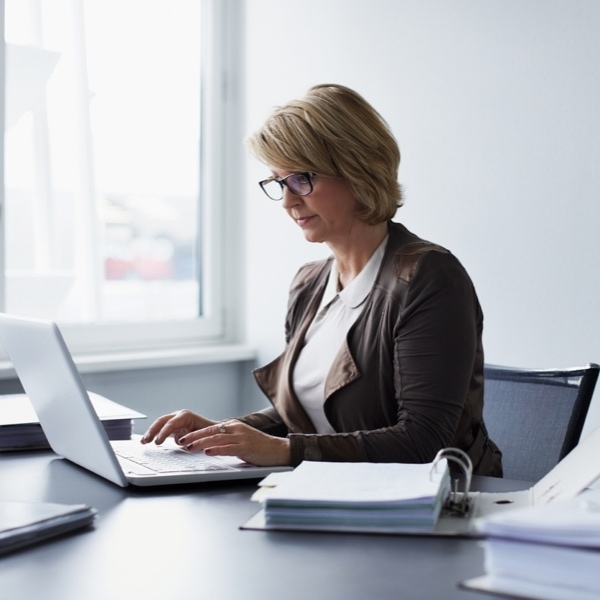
409	379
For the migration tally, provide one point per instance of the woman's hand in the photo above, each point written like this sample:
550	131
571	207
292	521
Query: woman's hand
176	425
233	438
227	438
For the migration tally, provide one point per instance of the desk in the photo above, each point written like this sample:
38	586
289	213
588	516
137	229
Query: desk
185	543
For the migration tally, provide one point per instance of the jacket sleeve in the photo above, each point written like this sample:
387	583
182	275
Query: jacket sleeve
266	420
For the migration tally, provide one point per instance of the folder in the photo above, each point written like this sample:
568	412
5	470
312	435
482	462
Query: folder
26	523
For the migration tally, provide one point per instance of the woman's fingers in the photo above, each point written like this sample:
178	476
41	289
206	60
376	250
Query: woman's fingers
213	435
152	431
176	424
233	438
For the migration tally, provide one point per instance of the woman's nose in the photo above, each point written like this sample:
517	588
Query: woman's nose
290	199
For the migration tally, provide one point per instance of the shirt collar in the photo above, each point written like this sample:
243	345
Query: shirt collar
356	292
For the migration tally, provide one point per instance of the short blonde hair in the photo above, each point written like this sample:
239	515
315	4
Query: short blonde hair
334	131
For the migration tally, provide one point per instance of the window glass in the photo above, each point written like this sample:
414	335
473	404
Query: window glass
102	160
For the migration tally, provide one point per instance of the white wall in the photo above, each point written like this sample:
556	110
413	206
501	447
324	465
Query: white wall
495	106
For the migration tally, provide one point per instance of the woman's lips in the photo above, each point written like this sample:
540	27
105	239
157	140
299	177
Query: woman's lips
303	220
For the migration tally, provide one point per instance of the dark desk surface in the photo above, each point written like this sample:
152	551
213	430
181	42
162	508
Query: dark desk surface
185	542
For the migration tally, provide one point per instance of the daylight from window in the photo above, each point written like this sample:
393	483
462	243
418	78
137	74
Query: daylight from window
102	159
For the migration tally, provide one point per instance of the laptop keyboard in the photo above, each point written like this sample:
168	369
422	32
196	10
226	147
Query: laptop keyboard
168	460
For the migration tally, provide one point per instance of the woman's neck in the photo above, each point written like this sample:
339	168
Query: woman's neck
353	253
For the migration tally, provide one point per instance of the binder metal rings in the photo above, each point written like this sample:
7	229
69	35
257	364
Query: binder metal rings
462	459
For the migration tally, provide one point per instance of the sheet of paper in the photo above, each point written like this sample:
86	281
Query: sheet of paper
575	472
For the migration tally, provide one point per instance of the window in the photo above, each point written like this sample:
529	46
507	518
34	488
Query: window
110	216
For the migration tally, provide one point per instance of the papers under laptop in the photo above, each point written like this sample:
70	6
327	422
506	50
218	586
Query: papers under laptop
74	431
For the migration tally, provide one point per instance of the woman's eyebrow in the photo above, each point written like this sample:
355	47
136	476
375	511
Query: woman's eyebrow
277	175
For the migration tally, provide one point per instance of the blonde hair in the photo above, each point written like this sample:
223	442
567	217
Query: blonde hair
334	131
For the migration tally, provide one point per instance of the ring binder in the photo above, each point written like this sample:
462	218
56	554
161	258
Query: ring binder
457	513
453	504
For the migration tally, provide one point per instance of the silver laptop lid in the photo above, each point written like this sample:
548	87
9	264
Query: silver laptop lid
51	380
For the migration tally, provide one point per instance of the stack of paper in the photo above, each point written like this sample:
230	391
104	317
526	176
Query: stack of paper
20	428
550	552
368	497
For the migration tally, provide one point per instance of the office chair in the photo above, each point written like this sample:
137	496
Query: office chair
535	416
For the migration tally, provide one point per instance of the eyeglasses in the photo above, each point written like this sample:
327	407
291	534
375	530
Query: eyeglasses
300	184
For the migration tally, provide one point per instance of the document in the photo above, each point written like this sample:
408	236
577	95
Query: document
571	522
368	497
453	513
549	552
20	428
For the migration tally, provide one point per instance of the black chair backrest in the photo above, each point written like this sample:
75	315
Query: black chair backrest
536	416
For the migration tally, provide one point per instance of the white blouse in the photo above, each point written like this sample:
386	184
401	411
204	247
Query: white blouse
324	338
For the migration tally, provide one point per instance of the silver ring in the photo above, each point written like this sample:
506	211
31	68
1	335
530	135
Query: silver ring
222	428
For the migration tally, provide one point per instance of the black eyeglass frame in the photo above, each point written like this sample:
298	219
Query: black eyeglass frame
283	182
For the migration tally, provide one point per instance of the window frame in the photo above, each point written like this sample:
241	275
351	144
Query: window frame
220	153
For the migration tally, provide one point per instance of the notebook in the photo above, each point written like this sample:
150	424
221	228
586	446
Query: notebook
26	523
74	431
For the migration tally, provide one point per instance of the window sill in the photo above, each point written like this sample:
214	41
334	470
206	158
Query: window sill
151	359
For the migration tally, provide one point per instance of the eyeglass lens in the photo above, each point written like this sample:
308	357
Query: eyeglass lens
298	183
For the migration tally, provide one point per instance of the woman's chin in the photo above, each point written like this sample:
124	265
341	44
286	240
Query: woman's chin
311	236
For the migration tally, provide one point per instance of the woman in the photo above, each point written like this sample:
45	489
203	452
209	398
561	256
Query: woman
384	361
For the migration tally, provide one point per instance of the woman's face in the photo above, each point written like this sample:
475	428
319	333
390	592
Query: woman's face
327	214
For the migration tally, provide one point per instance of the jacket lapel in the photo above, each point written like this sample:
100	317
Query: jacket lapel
275	379
343	371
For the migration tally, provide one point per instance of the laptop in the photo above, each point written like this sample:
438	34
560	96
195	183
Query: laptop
50	378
